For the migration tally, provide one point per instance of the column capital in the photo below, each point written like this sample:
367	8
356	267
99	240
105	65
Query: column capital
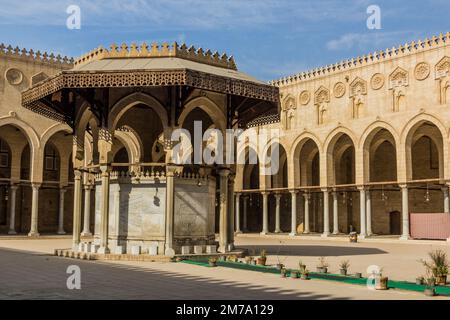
361	188
278	195
224	171
36	185
306	195
14	187
265	193
62	190
325	189
237	194
294	191
403	185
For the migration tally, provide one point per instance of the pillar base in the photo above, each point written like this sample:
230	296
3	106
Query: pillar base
362	236
292	234
169	252
222	249
335	232
306	232
325	235
238	232
33	234
86	234
103	250
405	238
61	232
12	232
277	231
264	233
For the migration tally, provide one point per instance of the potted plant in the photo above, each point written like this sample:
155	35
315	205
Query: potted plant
283	272
438	266
344	267
279	266
294	274
262	258
322	267
430	289
232	258
304	274
248	259
212	262
301	266
381	283
358	275
420	280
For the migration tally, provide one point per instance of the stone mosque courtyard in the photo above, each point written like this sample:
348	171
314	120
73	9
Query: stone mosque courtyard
31	271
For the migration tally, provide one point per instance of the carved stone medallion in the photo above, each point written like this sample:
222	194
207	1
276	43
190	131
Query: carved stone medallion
14	76
339	89
377	81
304	97
422	71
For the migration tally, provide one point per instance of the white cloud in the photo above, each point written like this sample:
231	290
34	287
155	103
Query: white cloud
369	39
176	14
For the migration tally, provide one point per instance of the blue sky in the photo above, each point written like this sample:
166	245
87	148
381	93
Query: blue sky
268	38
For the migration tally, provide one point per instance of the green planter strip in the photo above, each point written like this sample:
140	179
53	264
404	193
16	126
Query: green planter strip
403	285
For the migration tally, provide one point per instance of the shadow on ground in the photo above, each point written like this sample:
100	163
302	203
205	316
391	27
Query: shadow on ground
28	276
311	250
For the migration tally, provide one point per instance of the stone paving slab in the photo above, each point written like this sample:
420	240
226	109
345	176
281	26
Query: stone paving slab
34	274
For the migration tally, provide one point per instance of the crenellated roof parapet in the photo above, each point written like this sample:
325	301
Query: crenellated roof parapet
165	50
371	58
31	55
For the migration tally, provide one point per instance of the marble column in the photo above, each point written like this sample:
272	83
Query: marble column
170	209
34	210
277	212
446	199
231	213
405	213
87	211
293	213
362	211
369	213
104	210
223	216
265	229
12	208
306	205
77	197
238	213
244	213
62	192
326	213
335	212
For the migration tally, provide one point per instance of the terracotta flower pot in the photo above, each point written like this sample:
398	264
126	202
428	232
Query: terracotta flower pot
343	272
358	275
381	283
441	280
261	261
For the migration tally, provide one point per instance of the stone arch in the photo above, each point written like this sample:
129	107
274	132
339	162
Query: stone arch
366	146
407	142
212	109
124	104
329	150
33	143
297	171
132	143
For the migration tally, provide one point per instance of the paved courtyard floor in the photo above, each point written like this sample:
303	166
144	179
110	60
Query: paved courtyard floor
29	272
